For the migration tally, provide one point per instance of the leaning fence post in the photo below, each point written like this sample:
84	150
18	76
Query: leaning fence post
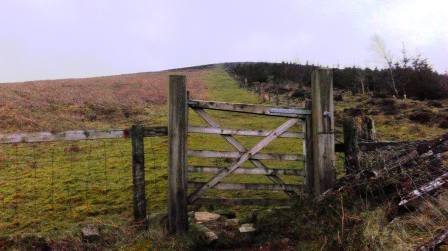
323	130
177	134
138	174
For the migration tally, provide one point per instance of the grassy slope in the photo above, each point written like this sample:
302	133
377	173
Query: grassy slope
49	189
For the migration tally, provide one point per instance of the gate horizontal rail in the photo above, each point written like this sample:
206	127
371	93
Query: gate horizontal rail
249	108
253	171
247	186
242	132
243	202
237	155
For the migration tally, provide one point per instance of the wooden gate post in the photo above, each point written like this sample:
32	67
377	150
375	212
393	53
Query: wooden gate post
177	160
323	130
138	174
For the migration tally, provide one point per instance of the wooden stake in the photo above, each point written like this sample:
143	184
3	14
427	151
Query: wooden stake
351	145
138	174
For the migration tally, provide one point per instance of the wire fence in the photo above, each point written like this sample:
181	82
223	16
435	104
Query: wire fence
54	186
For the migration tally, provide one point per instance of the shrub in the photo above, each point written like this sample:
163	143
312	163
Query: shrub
421	116
444	124
435	103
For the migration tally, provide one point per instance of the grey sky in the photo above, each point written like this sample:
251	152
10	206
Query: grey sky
47	39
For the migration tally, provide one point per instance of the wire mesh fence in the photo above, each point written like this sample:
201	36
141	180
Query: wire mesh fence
54	186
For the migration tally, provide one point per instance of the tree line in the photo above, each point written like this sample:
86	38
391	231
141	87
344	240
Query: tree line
411	77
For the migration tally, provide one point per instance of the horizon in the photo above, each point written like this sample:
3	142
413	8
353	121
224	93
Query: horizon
49	39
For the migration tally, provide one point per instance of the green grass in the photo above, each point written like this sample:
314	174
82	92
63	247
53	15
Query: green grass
50	188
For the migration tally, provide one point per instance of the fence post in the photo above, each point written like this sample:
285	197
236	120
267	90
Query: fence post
177	134
323	130
308	150
351	145
138	174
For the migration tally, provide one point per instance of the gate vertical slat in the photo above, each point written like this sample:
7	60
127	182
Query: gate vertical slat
308	151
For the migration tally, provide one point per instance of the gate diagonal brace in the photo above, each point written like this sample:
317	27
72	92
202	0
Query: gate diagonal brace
237	145
243	158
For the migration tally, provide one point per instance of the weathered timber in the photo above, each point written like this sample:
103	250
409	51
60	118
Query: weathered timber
368	130
155	131
246	186
244	157
254	171
236	155
138	174
61	136
241	132
422	149
435	242
75	135
323	130
177	158
372	146
351	143
425	189
253	109
308	151
243	202
238	146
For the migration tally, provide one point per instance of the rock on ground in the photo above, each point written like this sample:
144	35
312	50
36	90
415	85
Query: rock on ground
90	233
247	228
206	216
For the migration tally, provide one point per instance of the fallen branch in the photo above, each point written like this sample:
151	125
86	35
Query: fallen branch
422	149
435	242
425	189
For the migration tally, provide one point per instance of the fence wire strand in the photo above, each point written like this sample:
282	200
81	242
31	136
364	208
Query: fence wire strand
51	185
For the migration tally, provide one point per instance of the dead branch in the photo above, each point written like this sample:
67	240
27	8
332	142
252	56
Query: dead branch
425	189
435	242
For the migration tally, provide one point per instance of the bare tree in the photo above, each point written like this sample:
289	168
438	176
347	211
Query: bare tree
360	76
380	48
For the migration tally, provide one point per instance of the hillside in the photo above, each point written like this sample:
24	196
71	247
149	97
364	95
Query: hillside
101	102
70	185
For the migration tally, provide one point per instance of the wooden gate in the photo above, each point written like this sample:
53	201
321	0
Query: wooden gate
241	155
318	150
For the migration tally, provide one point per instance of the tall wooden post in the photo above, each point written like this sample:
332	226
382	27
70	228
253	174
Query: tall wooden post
323	130
138	174
177	134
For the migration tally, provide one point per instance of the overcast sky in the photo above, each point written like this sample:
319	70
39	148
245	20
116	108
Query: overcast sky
48	39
